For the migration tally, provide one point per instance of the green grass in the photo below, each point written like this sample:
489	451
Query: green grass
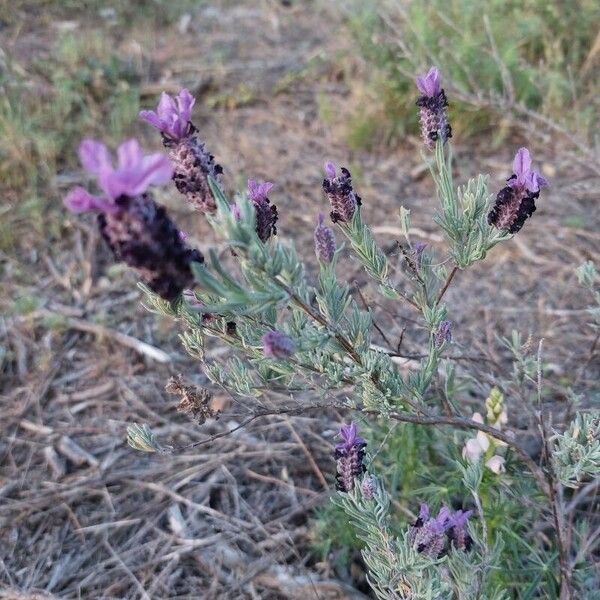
544	55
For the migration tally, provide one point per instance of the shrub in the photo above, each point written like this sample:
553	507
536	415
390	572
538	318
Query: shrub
469	529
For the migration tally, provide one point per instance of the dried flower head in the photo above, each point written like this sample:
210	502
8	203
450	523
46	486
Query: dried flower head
515	203
192	163
349	454
341	196
138	231
277	344
195	401
324	241
266	213
433	106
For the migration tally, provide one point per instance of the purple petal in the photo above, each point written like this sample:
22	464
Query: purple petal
522	163
252	187
79	200
185	102
265	188
94	156
330	170
129	155
430	85
154	169
166	107
151	117
424	512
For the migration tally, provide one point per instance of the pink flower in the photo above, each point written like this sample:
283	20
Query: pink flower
496	464
172	115
133	175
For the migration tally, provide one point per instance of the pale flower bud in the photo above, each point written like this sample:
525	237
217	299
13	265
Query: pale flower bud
496	464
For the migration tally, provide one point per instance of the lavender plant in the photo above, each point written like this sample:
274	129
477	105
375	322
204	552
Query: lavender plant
310	338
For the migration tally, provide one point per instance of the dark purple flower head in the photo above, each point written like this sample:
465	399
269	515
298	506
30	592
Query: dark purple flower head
133	175
138	231
338	189
515	203
443	334
172	116
192	163
324	241
277	345
349	454
457	531
430	534
266	213
430	85
433	106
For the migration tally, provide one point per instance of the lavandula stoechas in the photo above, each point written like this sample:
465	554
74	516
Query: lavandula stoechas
192	163
339	192
515	203
266	213
433	106
324	241
349	454
138	231
443	334
433	535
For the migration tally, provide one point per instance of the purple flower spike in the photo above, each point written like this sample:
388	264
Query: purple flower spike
443	334
433	536
457	532
138	231
277	345
324	241
349	454
192	163
172	116
266	213
433	106
515	203
340	194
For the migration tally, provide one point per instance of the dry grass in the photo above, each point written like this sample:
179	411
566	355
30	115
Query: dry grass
82	515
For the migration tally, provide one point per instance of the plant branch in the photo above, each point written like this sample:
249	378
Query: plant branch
446	285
